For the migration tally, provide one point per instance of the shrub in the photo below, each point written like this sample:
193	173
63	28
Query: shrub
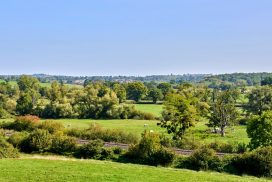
18	138
51	126
7	150
188	143
62	144
23	123
228	147
4	114
150	151
202	159
39	140
95	131
257	163
93	150
117	150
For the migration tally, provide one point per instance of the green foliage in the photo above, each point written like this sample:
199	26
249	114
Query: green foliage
17	139
180	113
136	90
38	141
155	94
150	151
120	91
51	126
202	159
260	100
223	111
7	150
93	150
165	88
62	144
23	123
95	132
257	163
259	130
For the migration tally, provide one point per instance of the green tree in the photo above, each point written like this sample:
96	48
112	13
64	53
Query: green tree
29	94
165	88
223	111
259	130
155	94
136	91
259	100
120	92
180	113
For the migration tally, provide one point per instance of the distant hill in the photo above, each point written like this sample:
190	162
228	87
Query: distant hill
220	80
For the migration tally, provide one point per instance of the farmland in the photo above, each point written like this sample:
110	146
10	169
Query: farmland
61	169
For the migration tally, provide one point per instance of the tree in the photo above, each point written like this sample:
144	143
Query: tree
267	81
165	88
179	114
136	90
260	100
120	92
259	130
29	94
155	94
223	111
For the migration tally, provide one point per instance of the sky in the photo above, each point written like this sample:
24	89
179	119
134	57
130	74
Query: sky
135	37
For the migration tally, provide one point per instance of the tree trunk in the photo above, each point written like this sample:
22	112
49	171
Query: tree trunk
222	131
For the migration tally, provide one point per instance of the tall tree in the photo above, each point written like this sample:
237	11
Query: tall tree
29	94
259	100
179	114
136	90
223	111
155	94
259	130
165	88
120	92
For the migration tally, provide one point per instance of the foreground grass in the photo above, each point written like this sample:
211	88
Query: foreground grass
16	170
155	109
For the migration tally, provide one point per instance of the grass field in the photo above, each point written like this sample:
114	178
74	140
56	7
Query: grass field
32	170
199	132
155	109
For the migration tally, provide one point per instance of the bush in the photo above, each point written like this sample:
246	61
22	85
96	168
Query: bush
23	123
51	126
7	150
18	138
150	151
257	163
62	144
228	147
93	150
38	141
4	114
188	143
202	159
95	132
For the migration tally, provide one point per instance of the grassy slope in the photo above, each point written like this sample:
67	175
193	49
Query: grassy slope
58	170
151	108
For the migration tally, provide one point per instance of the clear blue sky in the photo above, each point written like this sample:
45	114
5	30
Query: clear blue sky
135	37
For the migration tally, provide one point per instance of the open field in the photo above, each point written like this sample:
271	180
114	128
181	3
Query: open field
54	169
199	132
155	109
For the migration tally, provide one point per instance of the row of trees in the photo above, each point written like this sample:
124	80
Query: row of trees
95	100
186	105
